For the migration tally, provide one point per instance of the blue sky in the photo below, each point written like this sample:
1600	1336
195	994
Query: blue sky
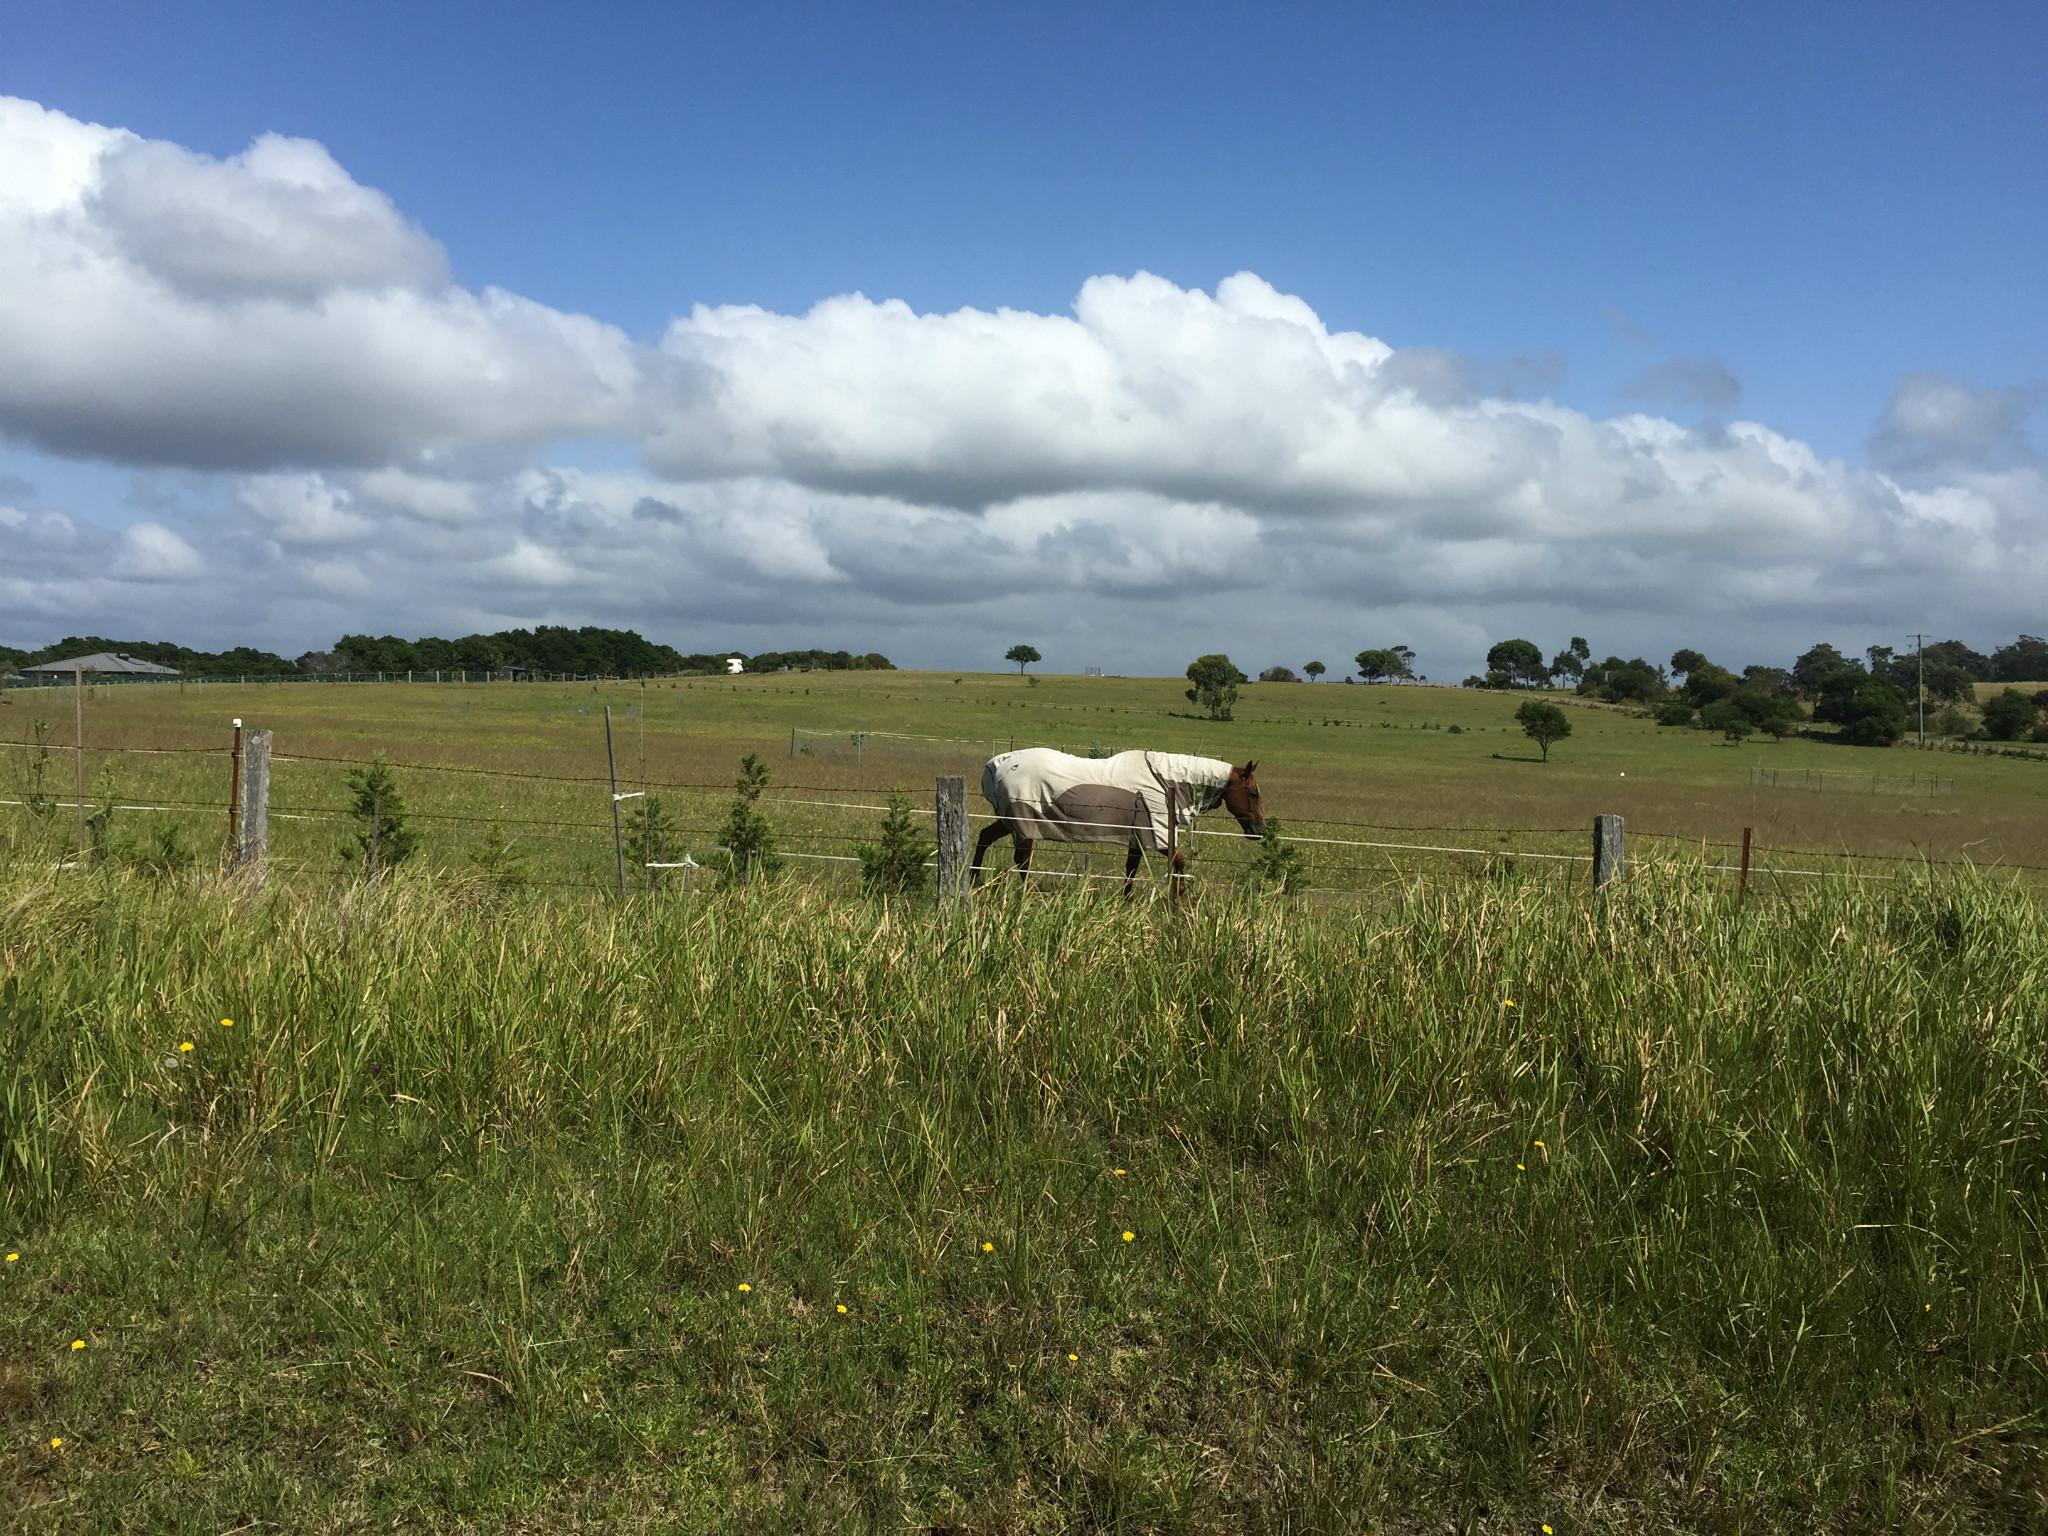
1708	215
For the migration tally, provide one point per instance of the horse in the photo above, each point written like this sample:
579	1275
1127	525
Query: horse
1039	793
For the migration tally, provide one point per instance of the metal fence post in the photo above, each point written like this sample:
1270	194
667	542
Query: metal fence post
252	845
1607	857
954	871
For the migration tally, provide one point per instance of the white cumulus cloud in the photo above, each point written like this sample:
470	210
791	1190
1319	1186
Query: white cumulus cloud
1159	471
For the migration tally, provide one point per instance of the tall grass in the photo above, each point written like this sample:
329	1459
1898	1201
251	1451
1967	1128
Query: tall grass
1491	1203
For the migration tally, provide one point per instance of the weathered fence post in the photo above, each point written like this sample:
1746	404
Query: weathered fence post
235	787
1607	859
954	871
612	766
1743	889
1172	840
252	843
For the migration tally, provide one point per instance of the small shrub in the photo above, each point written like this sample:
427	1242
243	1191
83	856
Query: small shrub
381	839
1675	714
495	861
747	839
1277	865
647	834
895	866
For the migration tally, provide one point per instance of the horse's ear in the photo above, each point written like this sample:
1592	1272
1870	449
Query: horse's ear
1248	767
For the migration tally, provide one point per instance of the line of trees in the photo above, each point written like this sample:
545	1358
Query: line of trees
1870	701
588	651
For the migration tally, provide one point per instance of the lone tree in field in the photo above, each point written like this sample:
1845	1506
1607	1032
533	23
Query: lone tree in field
1216	682
1023	655
1386	666
1543	724
381	838
1315	671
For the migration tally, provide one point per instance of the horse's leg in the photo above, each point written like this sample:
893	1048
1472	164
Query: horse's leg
1180	865
1132	861
995	829
1024	846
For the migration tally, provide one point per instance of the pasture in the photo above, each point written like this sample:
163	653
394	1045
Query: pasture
1415	766
1451	1197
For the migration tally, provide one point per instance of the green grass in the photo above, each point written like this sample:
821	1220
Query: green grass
1364	764
1732	1221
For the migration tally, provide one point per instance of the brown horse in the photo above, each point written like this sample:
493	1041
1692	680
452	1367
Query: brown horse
1039	793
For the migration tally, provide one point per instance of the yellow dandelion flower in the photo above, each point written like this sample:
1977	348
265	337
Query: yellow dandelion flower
78	1343
12	1257
186	1046
1521	1168
1508	1003
1129	1235
56	1442
842	1307
1547	1531
227	1023
1072	1358
1119	1173
988	1247
744	1286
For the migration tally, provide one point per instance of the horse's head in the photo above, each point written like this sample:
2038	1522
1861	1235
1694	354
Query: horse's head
1241	799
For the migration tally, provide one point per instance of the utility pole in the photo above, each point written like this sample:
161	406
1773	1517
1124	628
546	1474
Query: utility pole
1920	655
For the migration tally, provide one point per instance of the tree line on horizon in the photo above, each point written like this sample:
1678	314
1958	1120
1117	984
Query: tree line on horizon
1870	700
589	651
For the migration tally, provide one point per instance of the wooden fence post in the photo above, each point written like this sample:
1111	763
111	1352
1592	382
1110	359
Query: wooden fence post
78	759
235	790
252	846
1743	889
612	766
955	872
1607	856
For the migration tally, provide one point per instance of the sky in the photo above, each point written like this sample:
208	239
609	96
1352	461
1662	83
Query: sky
1129	332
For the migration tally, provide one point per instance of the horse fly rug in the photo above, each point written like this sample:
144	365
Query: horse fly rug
1120	799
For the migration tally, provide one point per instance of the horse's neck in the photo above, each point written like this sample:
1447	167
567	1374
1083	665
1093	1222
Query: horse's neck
1209	772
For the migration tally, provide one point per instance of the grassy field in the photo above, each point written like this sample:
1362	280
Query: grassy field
1346	764
1482	1203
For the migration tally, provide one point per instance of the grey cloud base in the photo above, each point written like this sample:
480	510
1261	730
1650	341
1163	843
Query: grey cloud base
1161	472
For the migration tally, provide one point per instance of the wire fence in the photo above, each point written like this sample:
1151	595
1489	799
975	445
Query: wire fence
561	823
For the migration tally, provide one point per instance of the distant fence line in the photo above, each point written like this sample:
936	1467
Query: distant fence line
570	833
1845	781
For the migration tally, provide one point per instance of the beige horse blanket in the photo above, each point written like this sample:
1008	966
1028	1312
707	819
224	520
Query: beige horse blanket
1120	799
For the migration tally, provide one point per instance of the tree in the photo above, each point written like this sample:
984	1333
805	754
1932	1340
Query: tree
1616	680
1870	711
895	866
1726	716
1386	666
1517	664
1569	664
381	839
1315	671
746	837
1278	675
1813	669
2024	661
1216	683
1543	724
1023	655
2010	715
